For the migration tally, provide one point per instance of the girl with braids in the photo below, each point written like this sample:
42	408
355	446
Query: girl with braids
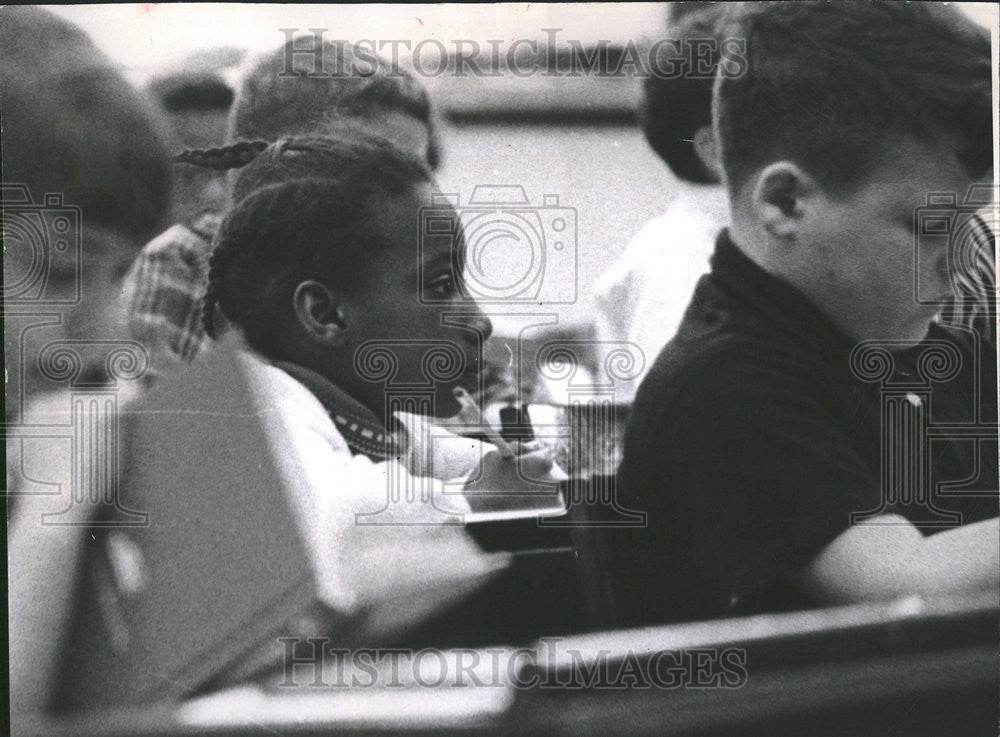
334	302
286	92
321	254
322	267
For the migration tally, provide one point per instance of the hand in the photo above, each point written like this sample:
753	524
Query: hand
521	473
524	447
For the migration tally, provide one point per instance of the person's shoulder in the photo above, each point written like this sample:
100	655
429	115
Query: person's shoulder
666	244
701	363
187	242
723	384
963	338
206	224
634	259
275	388
686	217
233	379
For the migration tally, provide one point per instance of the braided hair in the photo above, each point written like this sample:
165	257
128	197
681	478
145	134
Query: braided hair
235	156
303	209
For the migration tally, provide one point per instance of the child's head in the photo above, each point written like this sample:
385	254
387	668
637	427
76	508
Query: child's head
322	253
74	128
676	112
294	92
195	99
72	124
848	115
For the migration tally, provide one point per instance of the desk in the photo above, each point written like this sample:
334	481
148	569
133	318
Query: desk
910	667
913	667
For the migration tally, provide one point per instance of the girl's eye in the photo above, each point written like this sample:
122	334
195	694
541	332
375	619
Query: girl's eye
443	286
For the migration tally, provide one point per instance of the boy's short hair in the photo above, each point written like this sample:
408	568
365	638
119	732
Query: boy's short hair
674	108
191	90
297	92
202	81
195	98
828	82
72	124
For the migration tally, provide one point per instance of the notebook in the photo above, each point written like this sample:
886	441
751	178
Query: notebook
218	569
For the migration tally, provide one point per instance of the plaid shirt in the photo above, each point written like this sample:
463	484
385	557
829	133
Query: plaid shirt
163	290
974	279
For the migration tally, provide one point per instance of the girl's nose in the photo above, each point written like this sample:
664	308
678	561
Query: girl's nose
469	323
482	324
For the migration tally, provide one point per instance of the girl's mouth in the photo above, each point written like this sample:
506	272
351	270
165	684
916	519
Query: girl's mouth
469	379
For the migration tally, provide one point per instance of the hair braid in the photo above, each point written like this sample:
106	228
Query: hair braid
302	209
252	214
216	265
234	156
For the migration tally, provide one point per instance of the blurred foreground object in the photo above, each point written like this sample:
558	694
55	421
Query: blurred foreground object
86	182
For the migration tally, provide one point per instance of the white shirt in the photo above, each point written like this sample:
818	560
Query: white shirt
643	296
390	562
416	559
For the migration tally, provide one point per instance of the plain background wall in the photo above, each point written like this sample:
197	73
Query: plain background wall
607	173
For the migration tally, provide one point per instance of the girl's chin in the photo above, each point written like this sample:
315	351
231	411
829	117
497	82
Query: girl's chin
445	404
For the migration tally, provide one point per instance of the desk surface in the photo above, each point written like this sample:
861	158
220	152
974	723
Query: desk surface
923	666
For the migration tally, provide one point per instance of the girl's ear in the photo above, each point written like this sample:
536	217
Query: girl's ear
319	312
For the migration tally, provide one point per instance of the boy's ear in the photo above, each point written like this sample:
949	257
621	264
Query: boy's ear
319	311
781	196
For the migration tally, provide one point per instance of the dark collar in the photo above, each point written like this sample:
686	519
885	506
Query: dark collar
777	302
363	431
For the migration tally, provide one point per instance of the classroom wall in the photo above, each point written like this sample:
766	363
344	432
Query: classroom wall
606	173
